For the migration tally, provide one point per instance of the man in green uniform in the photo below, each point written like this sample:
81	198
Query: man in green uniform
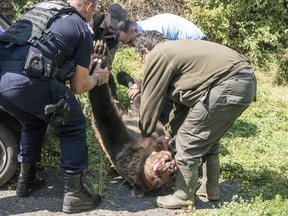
106	42
210	85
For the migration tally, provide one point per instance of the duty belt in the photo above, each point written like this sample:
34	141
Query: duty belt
11	65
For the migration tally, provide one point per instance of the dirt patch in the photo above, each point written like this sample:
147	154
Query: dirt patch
116	200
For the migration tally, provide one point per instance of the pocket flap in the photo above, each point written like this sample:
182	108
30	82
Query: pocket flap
236	99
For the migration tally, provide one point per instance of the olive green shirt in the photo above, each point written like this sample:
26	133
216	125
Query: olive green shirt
183	70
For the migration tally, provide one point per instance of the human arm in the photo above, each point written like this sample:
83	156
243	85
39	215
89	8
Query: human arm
158	72
81	81
163	72
108	61
176	119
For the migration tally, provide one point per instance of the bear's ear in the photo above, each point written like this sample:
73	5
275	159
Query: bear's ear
137	192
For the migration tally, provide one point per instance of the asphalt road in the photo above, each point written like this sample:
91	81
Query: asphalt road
116	200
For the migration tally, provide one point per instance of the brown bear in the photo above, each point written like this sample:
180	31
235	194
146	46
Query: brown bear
119	135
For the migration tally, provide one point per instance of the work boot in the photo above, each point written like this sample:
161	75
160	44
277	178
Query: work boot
125	79
76	197
210	180
28	180
185	184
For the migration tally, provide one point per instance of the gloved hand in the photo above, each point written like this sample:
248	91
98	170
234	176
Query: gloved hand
100	50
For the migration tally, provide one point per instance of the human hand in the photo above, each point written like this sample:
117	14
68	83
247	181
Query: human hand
133	91
164	141
101	74
100	50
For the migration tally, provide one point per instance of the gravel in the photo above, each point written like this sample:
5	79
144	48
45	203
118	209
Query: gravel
116	200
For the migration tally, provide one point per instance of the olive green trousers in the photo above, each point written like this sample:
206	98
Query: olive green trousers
212	115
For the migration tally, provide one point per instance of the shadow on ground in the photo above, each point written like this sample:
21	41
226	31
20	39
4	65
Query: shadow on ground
116	201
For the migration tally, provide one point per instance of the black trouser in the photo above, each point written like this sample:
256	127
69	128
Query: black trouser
26	98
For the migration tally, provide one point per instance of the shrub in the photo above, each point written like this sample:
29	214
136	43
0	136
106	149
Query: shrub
255	28
141	9
13	10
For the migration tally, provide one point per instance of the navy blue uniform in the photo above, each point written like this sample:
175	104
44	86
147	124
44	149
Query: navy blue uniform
26	97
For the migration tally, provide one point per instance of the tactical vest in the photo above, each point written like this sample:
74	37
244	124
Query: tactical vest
51	63
33	28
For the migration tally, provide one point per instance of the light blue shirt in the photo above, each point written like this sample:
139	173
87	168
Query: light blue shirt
173	27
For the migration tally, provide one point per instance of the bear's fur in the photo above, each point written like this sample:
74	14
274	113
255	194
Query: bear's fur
145	169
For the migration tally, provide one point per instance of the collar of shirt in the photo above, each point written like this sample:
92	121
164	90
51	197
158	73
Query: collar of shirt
140	29
89	27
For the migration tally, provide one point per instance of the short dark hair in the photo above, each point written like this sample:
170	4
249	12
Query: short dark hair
148	40
125	26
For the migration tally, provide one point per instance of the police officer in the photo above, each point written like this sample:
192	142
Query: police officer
48	46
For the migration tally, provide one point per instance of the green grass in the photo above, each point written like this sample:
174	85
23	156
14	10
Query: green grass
257	143
254	152
126	60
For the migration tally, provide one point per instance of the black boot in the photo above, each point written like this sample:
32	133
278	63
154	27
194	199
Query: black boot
76	197
28	181
125	79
